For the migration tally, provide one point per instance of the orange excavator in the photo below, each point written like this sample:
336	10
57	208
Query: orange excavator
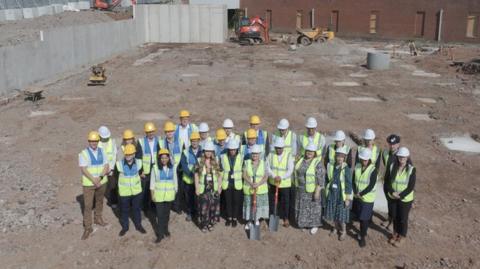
106	5
252	31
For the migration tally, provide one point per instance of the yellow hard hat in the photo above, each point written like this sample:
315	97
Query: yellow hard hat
93	136
169	126
184	113
220	134
128	134
251	133
255	119
195	135
129	149
163	151
149	127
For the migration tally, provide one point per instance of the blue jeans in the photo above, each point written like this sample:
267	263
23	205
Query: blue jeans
130	202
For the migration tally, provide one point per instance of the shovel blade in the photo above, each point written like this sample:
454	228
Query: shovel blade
273	223
254	232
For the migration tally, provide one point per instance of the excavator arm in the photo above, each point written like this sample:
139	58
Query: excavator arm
99	4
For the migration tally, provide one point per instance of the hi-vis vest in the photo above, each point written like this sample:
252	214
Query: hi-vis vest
375	153
190	129
386	157
288	141
109	149
191	161
237	171
330	169
309	175
94	166
235	136
128	178
280	169
257	177
318	140
164	185
362	180
261	137
176	152
203	178
147	156
332	152
400	183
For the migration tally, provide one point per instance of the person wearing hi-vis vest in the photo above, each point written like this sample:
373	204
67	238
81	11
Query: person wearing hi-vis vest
208	187
174	147
311	136
127	138
187	165
228	127
220	143
203	129
369	142
163	188
280	166
338	194
364	192
388	155
261	138
309	179
127	172
339	142
94	167
184	129
147	148
246	149
400	183
231	163
109	146
255	176
288	136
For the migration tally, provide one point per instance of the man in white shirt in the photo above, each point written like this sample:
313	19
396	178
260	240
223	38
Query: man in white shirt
184	130
280	167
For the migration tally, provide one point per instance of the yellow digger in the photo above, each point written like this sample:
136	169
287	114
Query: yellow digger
307	36
98	76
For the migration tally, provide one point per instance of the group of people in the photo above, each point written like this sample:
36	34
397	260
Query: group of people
232	175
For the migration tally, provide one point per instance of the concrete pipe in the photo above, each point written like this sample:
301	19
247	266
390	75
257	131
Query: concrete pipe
378	61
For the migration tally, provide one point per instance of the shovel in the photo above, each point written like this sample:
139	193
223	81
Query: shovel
274	219
254	228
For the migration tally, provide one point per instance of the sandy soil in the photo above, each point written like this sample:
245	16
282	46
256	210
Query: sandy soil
16	32
40	210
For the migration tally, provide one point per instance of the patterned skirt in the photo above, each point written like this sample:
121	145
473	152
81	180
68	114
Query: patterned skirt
262	207
308	213
335	209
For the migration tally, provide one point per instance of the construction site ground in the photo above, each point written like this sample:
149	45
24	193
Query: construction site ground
420	98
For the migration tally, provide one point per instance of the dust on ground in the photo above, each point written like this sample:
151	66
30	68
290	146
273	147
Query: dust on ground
40	216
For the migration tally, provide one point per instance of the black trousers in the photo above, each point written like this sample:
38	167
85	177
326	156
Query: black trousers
112	190
162	218
284	205
388	202
189	198
146	194
400	211
232	200
178	203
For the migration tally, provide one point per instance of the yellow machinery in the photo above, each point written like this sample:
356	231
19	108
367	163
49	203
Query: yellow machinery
308	36
98	76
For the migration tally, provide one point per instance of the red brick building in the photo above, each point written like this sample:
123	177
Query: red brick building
449	20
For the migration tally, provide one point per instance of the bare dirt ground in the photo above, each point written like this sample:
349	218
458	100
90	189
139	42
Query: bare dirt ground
40	216
27	30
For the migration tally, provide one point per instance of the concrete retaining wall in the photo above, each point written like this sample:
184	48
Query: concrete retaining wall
11	14
183	23
65	49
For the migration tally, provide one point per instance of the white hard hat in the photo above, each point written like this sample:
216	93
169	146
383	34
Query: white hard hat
279	142
255	149
403	152
311	147
342	150
233	144
227	123
369	134
365	154
339	135
311	123
104	132
283	124
209	146
203	127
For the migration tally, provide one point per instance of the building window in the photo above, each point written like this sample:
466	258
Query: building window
268	18
420	24
334	19
373	22
471	25
299	18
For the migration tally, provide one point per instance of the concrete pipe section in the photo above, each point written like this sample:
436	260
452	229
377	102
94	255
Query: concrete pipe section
378	61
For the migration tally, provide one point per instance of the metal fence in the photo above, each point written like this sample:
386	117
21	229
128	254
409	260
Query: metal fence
14	4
